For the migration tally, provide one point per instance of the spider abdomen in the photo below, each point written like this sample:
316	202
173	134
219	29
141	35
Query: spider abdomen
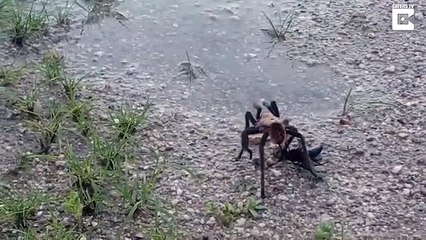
277	133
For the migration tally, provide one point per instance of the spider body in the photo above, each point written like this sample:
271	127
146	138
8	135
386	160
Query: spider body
270	125
264	122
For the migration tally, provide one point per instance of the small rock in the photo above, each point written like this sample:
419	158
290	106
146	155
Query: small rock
405	149
252	55
270	162
275	172
325	218
235	18
131	71
403	135
240	222
397	169
406	192
390	69
139	236
39	214
283	197
211	221
114	194
179	192
99	54
94	224
103	117
331	202
60	163
370	215
212	17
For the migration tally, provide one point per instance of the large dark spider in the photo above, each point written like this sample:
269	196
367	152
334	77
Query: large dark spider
270	125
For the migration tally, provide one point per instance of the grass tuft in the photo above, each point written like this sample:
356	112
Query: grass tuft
70	86
53	66
228	212
85	181
80	114
127	120
75	206
21	24
278	32
48	127
191	70
29	105
17	209
109	154
10	75
63	14
348	103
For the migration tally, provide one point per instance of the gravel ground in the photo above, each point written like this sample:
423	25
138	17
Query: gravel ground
375	176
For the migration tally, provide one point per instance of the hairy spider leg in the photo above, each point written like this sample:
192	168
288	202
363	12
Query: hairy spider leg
272	107
262	164
245	140
313	153
306	162
250	119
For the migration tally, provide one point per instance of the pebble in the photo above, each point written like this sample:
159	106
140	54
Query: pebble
131	71
179	192
213	17
60	163
390	69
98	54
403	135
397	169
406	191
276	173
331	202
240	222
211	221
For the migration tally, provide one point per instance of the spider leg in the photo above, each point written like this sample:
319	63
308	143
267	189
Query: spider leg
245	140
272	107
306	161
249	119
284	150
262	164
258	111
314	153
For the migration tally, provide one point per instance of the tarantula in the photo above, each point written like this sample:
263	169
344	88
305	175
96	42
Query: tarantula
258	122
270	125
